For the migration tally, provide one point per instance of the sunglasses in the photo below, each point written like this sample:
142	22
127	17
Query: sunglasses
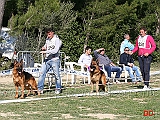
126	50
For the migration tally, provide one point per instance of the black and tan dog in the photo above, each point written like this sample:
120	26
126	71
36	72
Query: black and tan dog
23	79
97	76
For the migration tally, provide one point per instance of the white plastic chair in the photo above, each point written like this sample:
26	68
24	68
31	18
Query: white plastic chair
74	72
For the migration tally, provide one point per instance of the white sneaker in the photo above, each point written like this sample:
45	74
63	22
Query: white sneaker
118	82
146	88
57	91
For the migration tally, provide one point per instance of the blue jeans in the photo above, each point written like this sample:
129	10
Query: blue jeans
130	71
54	65
116	69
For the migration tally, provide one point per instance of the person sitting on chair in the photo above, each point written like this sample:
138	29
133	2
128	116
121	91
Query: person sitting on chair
109	66
127	60
85	58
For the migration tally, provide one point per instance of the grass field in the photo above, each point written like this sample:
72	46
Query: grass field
124	106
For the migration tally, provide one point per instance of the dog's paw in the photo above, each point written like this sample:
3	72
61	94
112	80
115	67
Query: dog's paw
91	91
39	93
16	96
34	93
22	97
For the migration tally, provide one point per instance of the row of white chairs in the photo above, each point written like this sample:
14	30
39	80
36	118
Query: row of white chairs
75	69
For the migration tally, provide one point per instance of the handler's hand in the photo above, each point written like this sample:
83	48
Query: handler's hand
146	54
101	49
43	48
43	52
130	52
131	64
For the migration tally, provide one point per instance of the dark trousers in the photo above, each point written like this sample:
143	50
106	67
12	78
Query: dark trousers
144	63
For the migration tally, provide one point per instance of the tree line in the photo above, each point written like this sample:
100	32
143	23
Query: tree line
81	23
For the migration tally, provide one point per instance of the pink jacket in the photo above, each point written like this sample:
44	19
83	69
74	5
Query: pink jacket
144	45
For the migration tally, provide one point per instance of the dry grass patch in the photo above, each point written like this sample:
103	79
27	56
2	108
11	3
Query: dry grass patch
103	116
67	116
8	114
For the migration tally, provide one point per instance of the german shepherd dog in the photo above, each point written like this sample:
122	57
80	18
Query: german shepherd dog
97	76
23	79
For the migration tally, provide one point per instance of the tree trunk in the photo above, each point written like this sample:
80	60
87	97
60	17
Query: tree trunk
2	2
88	31
88	24
158	26
39	39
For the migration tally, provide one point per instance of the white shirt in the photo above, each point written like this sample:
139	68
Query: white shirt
142	41
85	59
52	47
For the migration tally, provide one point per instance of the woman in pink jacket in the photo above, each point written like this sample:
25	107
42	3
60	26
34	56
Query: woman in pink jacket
145	45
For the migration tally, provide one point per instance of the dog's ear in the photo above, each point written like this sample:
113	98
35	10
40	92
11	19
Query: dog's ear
97	61
94	59
21	61
11	65
15	62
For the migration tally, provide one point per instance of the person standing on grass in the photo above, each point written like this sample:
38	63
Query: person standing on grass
145	45
126	43
52	60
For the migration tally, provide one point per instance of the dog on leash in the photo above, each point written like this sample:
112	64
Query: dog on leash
23	79
97	76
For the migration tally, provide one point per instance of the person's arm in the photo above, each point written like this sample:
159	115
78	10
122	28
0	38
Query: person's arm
130	46
122	47
44	47
123	60
80	61
112	64
153	44
135	48
95	54
131	59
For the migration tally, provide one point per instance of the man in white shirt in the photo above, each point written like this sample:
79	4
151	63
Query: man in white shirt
52	60
85	58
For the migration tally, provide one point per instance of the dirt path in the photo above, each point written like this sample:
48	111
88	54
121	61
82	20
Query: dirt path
9	79
5	80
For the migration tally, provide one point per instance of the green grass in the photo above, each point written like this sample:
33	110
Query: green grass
125	106
128	106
